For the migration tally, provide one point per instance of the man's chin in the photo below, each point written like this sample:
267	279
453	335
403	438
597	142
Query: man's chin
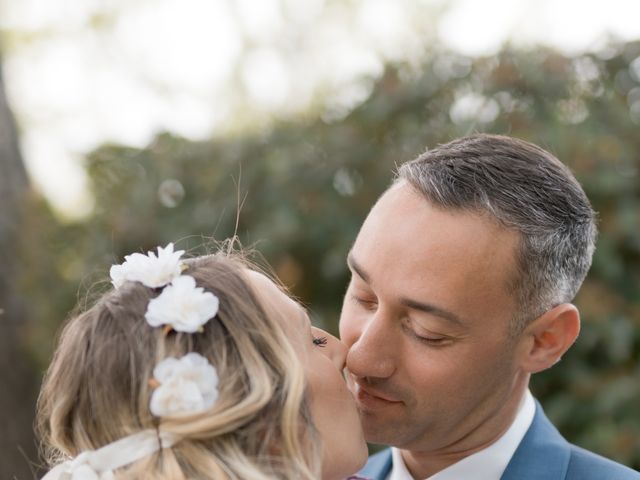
381	433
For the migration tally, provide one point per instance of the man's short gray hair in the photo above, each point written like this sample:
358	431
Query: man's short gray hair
526	189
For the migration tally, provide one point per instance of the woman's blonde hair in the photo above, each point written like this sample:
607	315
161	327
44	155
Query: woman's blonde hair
96	390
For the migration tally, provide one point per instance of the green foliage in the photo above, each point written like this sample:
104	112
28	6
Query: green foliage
306	185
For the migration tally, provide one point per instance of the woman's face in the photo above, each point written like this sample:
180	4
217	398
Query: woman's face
323	357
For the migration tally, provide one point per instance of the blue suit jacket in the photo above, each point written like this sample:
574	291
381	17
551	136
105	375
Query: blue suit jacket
543	454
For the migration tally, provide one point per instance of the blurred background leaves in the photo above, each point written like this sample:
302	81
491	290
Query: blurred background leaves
304	186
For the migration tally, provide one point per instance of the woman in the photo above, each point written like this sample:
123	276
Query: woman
197	369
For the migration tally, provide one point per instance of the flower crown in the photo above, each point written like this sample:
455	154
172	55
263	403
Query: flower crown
182	386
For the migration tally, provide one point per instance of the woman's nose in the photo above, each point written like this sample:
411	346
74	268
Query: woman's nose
334	348
339	353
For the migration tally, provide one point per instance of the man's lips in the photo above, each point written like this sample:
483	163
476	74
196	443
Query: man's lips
371	398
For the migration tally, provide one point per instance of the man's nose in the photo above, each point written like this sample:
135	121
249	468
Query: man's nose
371	355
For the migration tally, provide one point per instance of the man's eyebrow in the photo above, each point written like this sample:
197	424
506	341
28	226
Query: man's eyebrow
407	302
353	265
433	310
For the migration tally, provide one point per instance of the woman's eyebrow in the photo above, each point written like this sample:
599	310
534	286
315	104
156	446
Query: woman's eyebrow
303	318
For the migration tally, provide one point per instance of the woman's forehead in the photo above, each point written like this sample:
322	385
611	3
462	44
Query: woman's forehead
281	305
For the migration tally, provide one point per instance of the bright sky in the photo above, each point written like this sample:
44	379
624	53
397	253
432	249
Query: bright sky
82	72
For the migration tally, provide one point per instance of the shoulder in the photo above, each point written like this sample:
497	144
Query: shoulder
585	465
544	454
378	465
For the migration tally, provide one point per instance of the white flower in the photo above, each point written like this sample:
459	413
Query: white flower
148	269
188	385
183	306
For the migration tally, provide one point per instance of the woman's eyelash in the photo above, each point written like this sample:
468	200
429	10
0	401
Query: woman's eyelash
320	341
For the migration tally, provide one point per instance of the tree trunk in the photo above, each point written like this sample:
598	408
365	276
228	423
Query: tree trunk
18	380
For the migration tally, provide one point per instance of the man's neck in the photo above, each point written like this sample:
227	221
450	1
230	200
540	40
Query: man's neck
424	464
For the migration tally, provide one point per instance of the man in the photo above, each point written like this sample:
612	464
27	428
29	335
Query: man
462	275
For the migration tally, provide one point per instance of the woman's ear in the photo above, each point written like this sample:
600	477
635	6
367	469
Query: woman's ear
549	336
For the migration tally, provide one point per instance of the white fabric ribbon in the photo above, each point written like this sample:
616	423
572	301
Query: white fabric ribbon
99	464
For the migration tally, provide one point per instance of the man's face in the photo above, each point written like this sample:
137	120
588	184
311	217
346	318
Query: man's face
426	317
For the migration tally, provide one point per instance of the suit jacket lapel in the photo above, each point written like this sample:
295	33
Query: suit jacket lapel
543	453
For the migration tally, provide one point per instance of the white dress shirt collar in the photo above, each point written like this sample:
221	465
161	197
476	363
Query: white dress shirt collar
487	464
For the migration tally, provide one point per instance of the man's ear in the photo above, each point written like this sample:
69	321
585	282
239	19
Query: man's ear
549	336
